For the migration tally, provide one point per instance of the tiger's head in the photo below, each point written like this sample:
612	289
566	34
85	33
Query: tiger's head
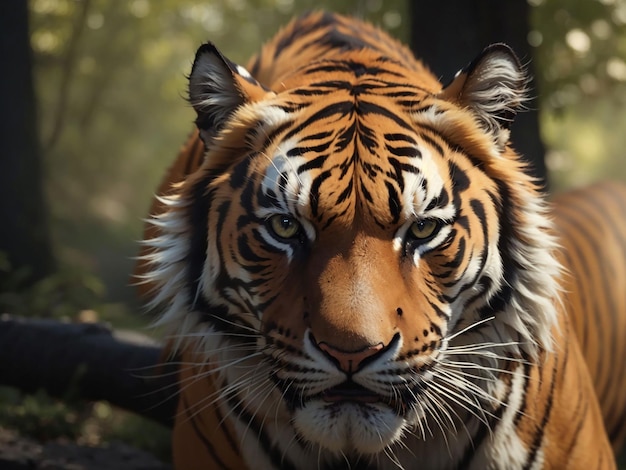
361	251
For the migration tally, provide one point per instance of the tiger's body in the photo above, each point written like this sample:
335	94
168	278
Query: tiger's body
591	226
358	272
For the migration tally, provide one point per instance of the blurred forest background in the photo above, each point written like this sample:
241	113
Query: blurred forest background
110	87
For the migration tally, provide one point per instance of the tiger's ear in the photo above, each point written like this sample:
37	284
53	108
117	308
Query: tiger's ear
217	87
493	86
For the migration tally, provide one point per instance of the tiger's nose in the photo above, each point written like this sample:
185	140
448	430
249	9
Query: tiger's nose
349	361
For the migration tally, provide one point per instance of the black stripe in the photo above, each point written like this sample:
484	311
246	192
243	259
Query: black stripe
541	428
507	224
527	365
239	174
317	162
479	210
463	221
315	190
299	151
345	138
246	252
198	222
317	136
343	108
599	210
481	287
483	431
594	265
276	455
366	194
498	301
307	92
345	193
366	107
581	422
394	202
458	256
460	181
399	137
410	152
225	430
207	443
334	84
368	138
432	142
440	313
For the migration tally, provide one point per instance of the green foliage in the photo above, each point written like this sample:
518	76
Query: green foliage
580	62
581	51
61	295
44	418
116	425
40	416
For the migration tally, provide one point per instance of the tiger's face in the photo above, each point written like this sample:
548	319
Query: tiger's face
344	244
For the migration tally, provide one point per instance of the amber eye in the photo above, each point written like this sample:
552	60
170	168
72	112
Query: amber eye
284	226
424	229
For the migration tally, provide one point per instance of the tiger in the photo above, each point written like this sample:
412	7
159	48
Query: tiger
355	269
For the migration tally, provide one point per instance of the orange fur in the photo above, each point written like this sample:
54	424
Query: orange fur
591	224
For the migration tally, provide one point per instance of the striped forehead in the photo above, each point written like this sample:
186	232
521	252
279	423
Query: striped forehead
323	185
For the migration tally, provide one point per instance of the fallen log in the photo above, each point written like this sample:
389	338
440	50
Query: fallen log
88	361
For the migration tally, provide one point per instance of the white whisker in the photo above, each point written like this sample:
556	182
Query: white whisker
467	328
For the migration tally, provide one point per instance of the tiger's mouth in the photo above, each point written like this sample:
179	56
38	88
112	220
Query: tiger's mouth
351	391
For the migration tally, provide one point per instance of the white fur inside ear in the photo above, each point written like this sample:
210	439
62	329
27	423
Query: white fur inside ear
493	88
496	88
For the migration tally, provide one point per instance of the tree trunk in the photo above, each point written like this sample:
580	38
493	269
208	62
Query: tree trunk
448	34
24	232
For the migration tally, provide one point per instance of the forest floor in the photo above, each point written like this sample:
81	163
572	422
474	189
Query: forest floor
22	453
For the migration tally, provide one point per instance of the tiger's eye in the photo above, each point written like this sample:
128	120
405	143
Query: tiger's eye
424	229
284	226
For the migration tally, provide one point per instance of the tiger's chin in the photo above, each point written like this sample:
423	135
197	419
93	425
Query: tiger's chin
347	427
